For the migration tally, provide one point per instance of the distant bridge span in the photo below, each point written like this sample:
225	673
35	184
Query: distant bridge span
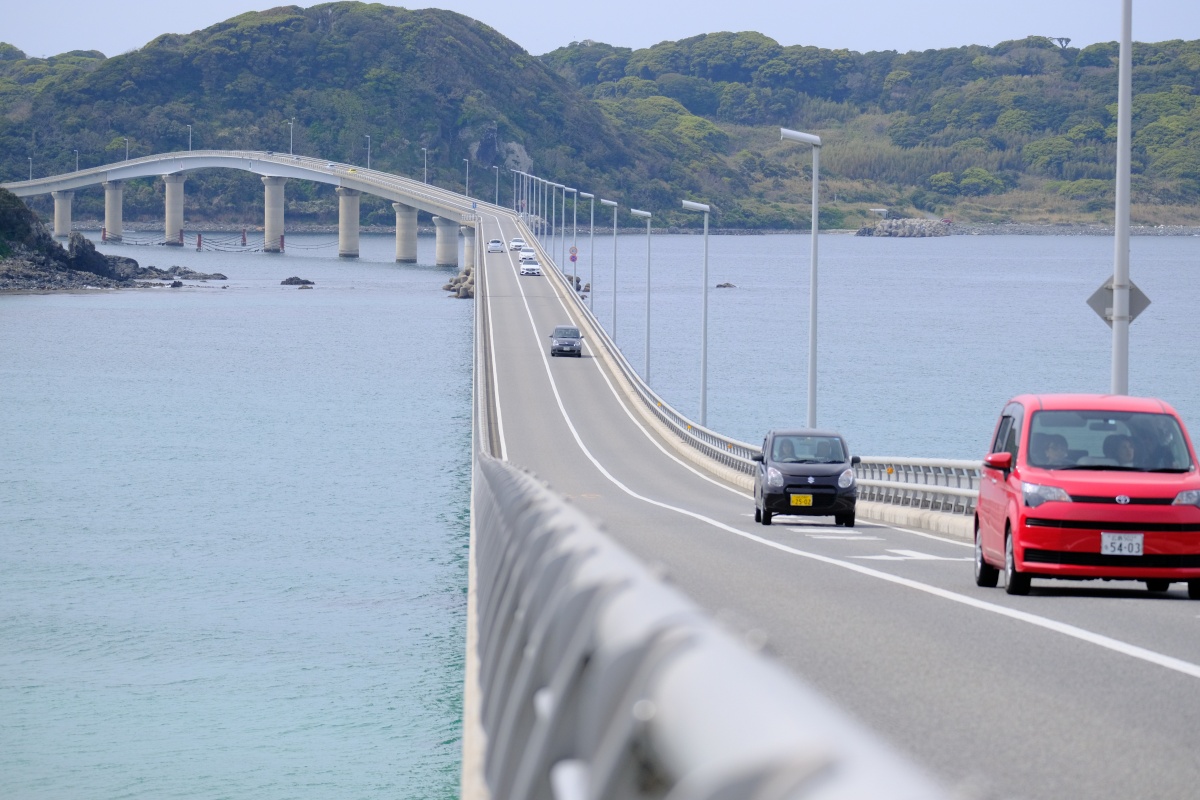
450	210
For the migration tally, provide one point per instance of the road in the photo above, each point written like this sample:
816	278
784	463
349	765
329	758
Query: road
1077	690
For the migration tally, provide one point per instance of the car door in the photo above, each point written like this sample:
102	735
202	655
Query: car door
992	497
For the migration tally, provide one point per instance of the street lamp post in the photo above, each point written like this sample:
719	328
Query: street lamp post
808	138
77	161
613	203
467	183
514	192
190	139
368	149
1120	281
647	215
31	167
591	198
126	138
291	134
574	229
690	206
425	151
574	264
497	169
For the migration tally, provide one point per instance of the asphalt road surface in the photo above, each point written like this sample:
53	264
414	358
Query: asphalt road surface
1079	690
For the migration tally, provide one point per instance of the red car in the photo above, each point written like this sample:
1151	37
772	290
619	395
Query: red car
1082	487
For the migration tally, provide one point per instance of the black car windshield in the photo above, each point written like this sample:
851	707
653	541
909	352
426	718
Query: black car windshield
803	449
1107	440
566	333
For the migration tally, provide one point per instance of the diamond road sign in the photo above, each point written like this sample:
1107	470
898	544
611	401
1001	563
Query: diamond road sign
1101	301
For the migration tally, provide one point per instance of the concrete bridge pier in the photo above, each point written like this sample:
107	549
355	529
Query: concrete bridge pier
445	249
406	233
273	213
174	190
348	200
114	202
62	213
468	246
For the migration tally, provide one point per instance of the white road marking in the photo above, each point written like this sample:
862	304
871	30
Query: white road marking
911	555
848	538
1054	626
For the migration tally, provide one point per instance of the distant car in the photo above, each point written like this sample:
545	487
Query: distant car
566	340
531	268
1088	487
528	254
495	246
516	243
805	472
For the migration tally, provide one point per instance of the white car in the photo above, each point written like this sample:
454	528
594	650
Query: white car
528	254
531	268
516	243
495	246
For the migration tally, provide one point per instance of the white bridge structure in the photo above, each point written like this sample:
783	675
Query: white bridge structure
451	212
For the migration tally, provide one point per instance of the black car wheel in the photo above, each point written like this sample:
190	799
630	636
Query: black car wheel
766	517
1158	585
986	575
1014	582
1194	589
757	514
845	520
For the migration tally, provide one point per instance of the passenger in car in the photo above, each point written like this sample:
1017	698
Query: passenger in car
1120	448
1057	453
787	450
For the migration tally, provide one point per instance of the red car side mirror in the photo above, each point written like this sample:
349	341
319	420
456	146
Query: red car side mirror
998	461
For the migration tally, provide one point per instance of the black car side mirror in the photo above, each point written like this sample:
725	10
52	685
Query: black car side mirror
855	460
757	457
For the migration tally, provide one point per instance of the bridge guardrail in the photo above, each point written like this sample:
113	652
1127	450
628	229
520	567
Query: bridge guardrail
945	485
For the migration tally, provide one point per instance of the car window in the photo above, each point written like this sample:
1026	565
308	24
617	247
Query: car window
801	449
1107	440
566	333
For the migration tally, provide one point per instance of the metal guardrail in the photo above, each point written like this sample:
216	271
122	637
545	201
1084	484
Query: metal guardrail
945	485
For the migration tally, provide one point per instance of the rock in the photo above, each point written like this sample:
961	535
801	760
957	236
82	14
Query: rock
176	284
905	228
305	286
726	286
294	281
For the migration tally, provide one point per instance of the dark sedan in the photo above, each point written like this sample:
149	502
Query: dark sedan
566	340
805	472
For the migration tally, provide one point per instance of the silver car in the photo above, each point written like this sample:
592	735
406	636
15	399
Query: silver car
566	340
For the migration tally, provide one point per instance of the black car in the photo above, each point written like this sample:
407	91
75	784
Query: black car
805	472
566	340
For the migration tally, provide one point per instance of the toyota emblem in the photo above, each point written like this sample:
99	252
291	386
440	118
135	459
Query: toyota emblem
1123	499
811	479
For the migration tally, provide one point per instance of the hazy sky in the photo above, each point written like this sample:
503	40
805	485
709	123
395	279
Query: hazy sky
49	27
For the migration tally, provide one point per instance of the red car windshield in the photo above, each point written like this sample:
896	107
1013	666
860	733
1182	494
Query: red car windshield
1112	440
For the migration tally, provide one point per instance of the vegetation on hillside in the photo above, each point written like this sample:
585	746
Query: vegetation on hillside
1021	131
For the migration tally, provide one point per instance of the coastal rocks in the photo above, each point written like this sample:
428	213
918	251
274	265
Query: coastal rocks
905	228
132	270
726	286
462	285
294	281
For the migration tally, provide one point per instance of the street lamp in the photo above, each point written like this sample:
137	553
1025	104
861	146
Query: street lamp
815	141
467	184
189	127
690	206
291	134
77	161
31	168
574	228
126	138
514	192
368	149
647	215
591	198
614	300
1120	281
425	151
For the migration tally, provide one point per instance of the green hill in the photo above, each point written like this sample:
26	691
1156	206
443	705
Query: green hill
1021	131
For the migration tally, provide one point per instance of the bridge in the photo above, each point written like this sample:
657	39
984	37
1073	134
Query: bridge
846	662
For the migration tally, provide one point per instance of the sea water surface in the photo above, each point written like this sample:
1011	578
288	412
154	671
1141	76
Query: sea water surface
233	522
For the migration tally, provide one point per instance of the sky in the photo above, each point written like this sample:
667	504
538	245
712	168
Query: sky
50	27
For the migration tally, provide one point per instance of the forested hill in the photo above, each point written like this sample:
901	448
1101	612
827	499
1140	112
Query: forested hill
1020	131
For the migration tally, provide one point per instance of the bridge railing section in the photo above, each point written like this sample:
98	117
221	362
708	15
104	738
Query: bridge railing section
949	486
599	681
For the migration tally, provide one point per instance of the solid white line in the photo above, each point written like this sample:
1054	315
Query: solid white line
1072	631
